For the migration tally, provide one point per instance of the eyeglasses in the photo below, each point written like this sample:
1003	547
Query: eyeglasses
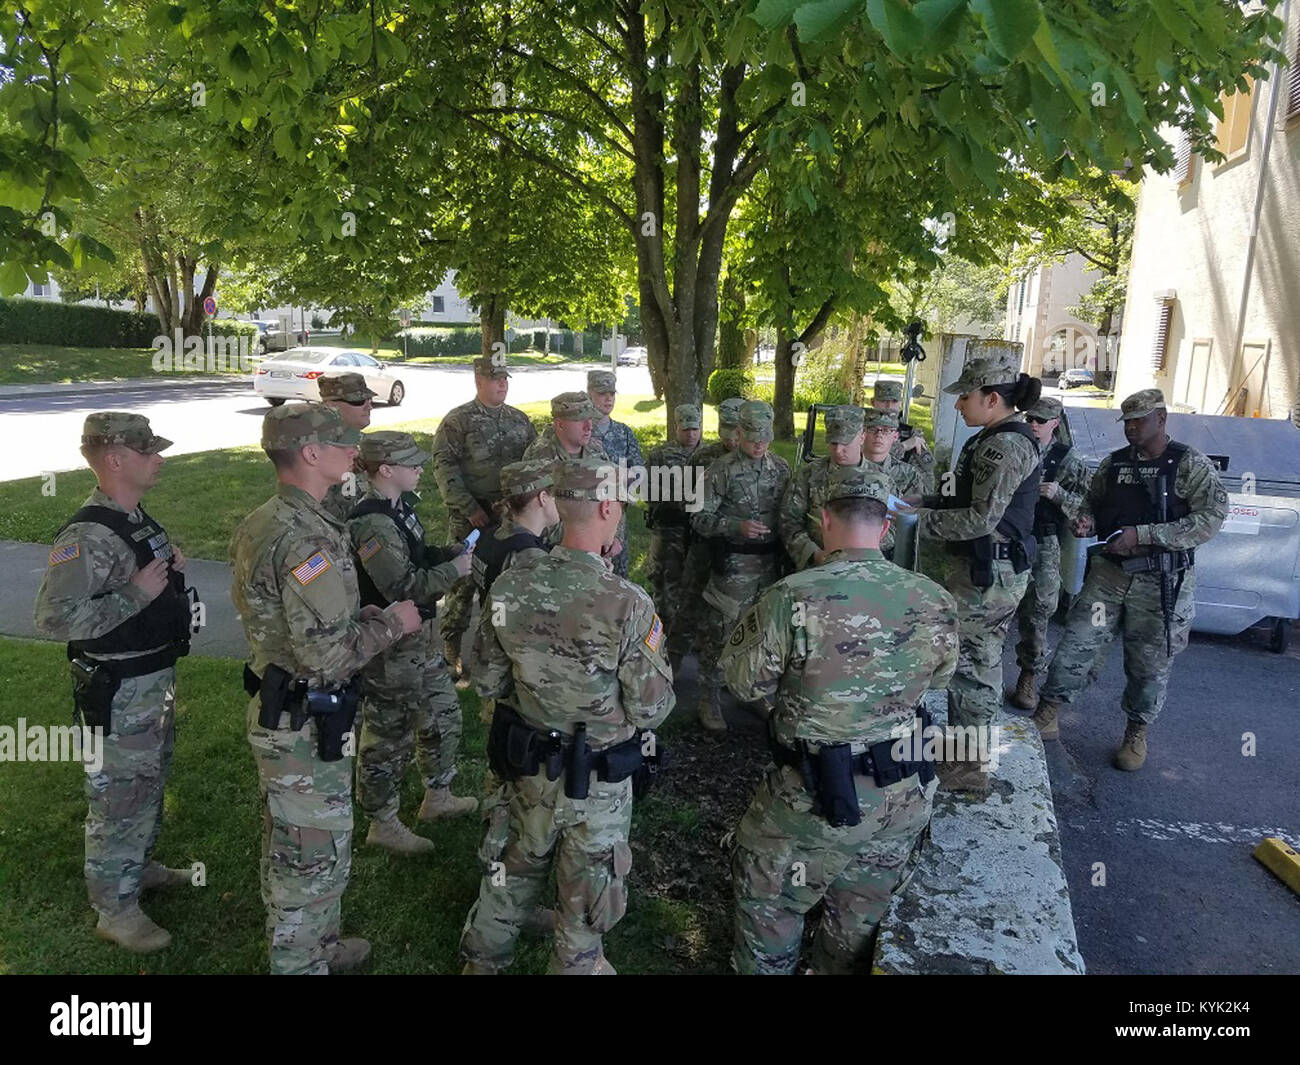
880	430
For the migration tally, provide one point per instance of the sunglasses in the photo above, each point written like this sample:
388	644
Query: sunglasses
357	402
1037	421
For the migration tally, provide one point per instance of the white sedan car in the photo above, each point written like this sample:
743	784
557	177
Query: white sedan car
293	374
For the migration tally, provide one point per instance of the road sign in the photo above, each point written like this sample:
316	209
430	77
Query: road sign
209	306
405	314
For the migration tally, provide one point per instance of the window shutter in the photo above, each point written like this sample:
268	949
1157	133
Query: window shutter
1183	155
1293	83
1161	344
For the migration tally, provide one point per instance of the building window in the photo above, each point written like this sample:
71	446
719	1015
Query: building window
39	292
439	305
1233	132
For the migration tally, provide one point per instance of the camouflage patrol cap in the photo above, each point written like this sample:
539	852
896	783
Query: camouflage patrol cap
1047	407
980	373
888	388
1140	404
393	448
756	421
586	478
526	477
601	381
490	366
872	419
688	416
296	425
344	387
121	427
573	407
729	412
854	482
843	424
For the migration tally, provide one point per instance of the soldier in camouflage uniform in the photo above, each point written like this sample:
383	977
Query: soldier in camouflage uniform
887	395
845	650
409	697
988	524
668	519
294	585
617	439
688	612
1122	589
113	591
580	652
569	437
348	394
1061	488
880	433
473	442
741	513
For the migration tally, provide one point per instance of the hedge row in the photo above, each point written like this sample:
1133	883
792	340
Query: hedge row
468	340
808	389
79	325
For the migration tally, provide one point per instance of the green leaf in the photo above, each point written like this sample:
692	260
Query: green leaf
896	24
1172	20
824	17
13	278
1015	89
773	13
240	59
941	20
1010	24
1047	49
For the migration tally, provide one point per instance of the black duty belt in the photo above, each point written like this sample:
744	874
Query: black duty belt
1150	563
139	666
770	547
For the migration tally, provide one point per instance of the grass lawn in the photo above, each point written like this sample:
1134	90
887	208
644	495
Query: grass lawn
411	910
32	364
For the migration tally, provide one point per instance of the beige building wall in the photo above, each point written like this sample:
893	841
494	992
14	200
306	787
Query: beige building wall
1037	317
1191	240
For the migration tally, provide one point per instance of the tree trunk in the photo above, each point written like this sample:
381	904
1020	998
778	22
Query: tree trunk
733	347
783	396
492	320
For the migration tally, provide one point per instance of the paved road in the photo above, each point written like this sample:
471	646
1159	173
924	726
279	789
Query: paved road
42	431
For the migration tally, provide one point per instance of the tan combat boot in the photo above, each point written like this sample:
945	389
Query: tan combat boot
440	802
1025	696
348	954
1046	720
156	875
391	835
132	930
710	710
1132	753
965	777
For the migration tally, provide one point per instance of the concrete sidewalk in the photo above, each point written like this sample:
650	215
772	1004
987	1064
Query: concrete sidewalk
125	384
23	565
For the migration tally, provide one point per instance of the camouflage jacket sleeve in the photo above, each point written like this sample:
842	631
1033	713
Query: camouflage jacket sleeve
999	465
1096	490
87	589
448	450
322	613
1072	476
907	480
493	675
381	550
645	679
1197	481
946	642
793	525
633	448
754	658
708	520
922	460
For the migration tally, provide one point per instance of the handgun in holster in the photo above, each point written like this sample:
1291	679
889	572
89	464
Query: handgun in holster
335	711
981	562
279	692
94	684
577	781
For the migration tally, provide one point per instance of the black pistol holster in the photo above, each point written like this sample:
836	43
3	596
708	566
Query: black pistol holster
828	772
94	684
335	709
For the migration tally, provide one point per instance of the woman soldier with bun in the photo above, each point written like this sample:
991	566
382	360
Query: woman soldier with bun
985	514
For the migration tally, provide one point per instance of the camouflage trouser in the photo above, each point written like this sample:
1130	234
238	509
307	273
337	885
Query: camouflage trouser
125	798
586	839
1112	601
983	617
737	592
787	859
1038	606
457	604
689	610
666	570
418	711
306	844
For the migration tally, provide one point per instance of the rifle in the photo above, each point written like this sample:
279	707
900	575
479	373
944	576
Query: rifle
1166	562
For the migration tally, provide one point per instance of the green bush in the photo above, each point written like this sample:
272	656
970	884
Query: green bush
818	379
729	382
443	341
74	325
228	327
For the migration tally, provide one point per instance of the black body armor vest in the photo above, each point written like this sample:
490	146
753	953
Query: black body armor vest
165	622
490	555
404	517
1048	519
1132	485
1017	522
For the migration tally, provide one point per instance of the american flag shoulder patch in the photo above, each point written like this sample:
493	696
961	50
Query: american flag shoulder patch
369	549
656	634
308	571
66	553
